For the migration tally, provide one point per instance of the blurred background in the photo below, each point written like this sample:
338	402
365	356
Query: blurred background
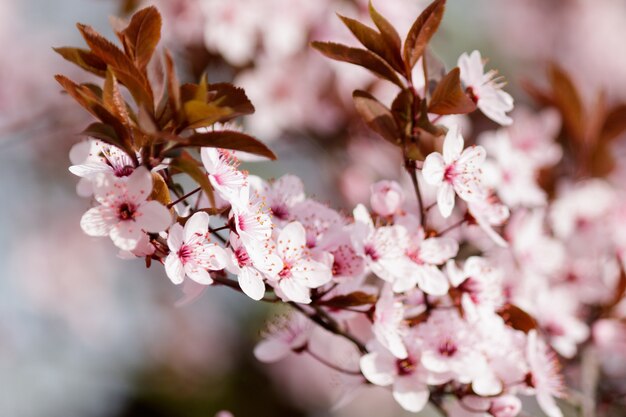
86	334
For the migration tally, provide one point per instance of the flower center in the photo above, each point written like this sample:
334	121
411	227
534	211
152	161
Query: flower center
447	348
449	174
126	211
370	251
242	257
472	94
184	253
285	272
123	171
405	366
280	212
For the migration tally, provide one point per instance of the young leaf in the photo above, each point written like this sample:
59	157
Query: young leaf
143	34
401	108
360	57
568	100
122	66
228	139
102	132
614	124
234	98
517	318
388	33
201	114
374	42
160	192
173	86
376	116
449	97
421	32
112	98
84	59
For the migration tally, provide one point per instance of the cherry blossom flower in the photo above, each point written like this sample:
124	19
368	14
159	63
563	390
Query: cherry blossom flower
389	326
250	220
191	253
91	158
474	406
422	256
382	248
221	166
479	284
282	195
488	213
283	335
250	267
387	197
544	377
456	171
406	376
300	272
485	88
124	213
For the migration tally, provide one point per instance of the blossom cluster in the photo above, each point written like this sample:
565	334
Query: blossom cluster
465	287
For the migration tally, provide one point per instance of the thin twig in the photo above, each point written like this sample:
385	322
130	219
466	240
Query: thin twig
178	200
331	365
451	227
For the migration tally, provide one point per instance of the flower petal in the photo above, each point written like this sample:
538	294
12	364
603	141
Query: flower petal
174	268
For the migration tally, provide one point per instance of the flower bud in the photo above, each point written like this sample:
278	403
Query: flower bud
505	406
387	197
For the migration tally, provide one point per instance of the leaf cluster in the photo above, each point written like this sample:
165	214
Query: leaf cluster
164	116
406	123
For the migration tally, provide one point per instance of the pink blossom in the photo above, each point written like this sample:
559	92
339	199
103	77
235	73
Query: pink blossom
191	253
221	166
284	335
387	197
250	267
544	377
456	171
124	213
389	326
300	272
485	88
406	376
488	213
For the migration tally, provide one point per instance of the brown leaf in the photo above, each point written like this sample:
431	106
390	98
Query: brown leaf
374	42
228	139
402	108
160	192
122	66
201	114
230	96
84	59
173	86
449	97
517	318
113	100
378	117
142	35
614	124
354	299
360	57
388	32
421	32
104	133
567	99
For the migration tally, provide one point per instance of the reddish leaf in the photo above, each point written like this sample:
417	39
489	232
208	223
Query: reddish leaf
449	97
123	68
421	32
113	100
228	95
102	132
353	299
173	87
402	108
517	318
360	57
374	42
84	59
387	31
201	114
614	124
142	35
568	100
377	116
228	139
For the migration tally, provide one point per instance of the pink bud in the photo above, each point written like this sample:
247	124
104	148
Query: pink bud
505	406
387	197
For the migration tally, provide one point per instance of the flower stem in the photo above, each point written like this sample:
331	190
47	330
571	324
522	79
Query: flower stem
331	365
